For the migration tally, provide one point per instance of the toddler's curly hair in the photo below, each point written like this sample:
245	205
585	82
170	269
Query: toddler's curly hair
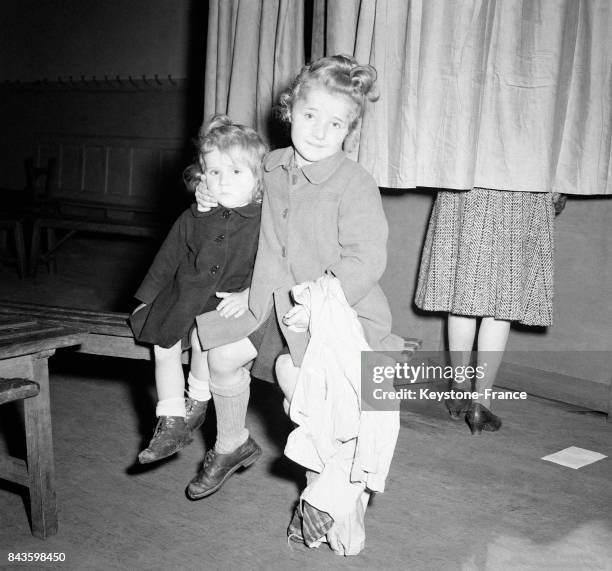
236	140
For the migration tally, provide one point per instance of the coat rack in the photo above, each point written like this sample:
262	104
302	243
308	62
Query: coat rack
105	83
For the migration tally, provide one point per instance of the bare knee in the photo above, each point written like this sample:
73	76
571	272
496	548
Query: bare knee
228	359
196	347
287	374
164	354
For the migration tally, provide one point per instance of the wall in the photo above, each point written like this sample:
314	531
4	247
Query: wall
47	38
49	42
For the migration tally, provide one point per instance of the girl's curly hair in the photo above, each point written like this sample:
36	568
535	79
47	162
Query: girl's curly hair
339	74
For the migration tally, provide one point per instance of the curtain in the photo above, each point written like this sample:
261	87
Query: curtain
512	95
254	49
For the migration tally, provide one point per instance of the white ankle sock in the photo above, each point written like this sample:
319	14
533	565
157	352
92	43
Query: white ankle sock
171	407
198	389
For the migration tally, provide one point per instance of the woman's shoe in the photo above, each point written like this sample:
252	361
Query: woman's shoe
457	407
479	418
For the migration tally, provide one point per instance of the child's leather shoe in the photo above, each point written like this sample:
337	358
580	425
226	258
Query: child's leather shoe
195	413
170	436
219	467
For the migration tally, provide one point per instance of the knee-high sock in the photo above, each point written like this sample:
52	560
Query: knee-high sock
231	402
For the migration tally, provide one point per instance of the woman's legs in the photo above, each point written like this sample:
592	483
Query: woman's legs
461	334
491	344
492	339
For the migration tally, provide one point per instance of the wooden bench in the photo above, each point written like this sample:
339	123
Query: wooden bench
127	186
26	344
75	216
105	332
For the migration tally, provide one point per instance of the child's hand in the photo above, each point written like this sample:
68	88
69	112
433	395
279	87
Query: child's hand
141	306
233	304
297	319
204	198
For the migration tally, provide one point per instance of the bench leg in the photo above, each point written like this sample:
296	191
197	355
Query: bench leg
41	472
52	245
35	248
20	250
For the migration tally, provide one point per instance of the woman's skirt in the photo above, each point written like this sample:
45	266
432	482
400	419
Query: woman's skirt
489	253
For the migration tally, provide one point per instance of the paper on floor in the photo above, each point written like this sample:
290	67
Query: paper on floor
574	457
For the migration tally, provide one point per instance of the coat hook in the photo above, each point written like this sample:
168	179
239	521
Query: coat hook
60	80
157	80
71	80
171	80
106	80
144	79
83	80
118	80
132	81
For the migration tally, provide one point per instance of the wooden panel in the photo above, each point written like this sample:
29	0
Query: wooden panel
46	152
114	346
119	175
172	162
94	165
145	171
138	172
71	168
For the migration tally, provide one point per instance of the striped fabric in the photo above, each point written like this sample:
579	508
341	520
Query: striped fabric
489	253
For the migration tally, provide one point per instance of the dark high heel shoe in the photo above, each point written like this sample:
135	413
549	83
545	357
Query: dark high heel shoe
479	418
457	407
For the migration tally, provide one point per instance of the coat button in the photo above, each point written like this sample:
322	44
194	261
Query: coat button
285	212
284	252
226	214
214	269
220	238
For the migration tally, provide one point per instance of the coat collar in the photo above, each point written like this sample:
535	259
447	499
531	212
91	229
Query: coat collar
316	173
248	211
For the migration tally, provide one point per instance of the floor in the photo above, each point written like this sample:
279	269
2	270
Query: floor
453	500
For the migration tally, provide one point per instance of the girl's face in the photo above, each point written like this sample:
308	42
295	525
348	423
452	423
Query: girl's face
320	122
229	179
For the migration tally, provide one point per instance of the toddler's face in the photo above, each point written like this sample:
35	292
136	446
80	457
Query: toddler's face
320	122
229	179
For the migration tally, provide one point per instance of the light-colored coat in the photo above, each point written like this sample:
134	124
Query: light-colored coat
325	218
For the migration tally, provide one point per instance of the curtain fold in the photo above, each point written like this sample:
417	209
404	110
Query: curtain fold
254	49
481	93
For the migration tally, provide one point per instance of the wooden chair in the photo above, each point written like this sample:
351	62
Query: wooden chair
37	473
13	226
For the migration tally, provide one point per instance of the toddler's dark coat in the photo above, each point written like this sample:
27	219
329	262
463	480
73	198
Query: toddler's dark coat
204	252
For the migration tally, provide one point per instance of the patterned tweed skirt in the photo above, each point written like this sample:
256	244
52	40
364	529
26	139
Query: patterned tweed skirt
489	253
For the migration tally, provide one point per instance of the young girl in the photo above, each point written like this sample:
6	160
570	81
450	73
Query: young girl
488	258
321	214
206	255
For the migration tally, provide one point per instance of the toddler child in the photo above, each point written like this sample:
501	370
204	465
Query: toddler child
206	256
